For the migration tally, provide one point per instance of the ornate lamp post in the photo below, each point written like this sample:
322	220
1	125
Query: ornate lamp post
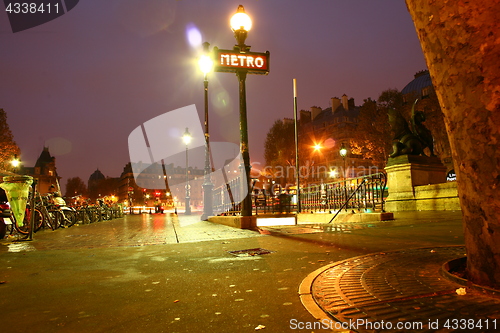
241	24
241	61
186	138
343	153
206	66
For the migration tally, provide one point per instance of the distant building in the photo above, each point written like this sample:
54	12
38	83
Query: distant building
327	130
420	87
44	172
94	183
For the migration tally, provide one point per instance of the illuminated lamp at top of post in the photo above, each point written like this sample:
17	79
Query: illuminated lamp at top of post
15	162
241	23
343	154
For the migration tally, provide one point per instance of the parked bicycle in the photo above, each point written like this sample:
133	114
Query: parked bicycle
56	212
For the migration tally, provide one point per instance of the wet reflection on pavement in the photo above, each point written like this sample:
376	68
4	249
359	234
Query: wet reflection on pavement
131	230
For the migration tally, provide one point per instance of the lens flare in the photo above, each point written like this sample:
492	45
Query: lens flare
329	143
193	35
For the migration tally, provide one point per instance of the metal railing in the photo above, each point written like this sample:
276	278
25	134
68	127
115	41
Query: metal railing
361	193
226	198
91	214
267	203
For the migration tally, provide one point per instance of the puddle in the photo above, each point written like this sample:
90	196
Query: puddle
20	247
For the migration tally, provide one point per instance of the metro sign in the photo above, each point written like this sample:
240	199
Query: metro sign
233	61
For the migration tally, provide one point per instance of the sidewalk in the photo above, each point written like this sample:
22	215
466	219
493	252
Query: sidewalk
397	291
163	273
154	229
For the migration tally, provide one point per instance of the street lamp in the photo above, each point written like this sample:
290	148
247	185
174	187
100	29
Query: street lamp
333	173
343	153
186	138
241	24
15	163
241	61
206	65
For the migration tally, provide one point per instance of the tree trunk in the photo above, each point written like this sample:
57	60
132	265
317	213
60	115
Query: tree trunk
461	44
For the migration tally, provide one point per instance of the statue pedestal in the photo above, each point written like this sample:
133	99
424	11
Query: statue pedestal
407	171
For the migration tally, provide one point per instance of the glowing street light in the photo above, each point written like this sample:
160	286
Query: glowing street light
343	154
15	163
241	23
343	151
205	62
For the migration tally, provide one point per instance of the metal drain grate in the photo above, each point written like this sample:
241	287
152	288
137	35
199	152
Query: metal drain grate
250	252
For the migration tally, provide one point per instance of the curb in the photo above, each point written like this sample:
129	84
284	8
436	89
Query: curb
307	298
305	288
445	272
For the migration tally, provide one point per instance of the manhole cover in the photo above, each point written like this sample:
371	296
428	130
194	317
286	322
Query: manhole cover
250	252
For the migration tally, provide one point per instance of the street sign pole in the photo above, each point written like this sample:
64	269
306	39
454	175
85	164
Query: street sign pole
241	61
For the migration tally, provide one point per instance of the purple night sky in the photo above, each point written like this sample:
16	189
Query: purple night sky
81	83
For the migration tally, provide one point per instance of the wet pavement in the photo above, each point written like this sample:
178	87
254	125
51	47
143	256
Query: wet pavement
126	276
163	273
132	230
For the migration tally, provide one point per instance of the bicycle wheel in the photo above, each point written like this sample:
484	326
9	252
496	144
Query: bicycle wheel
68	218
24	226
79	217
39	220
62	221
52	219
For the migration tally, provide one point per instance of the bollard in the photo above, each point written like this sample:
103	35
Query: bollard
32	207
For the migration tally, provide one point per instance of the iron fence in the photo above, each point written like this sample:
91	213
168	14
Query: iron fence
361	193
226	198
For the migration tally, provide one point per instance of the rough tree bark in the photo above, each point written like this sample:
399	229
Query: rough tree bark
461	44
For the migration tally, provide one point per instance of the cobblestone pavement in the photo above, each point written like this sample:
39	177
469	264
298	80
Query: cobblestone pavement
400	291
